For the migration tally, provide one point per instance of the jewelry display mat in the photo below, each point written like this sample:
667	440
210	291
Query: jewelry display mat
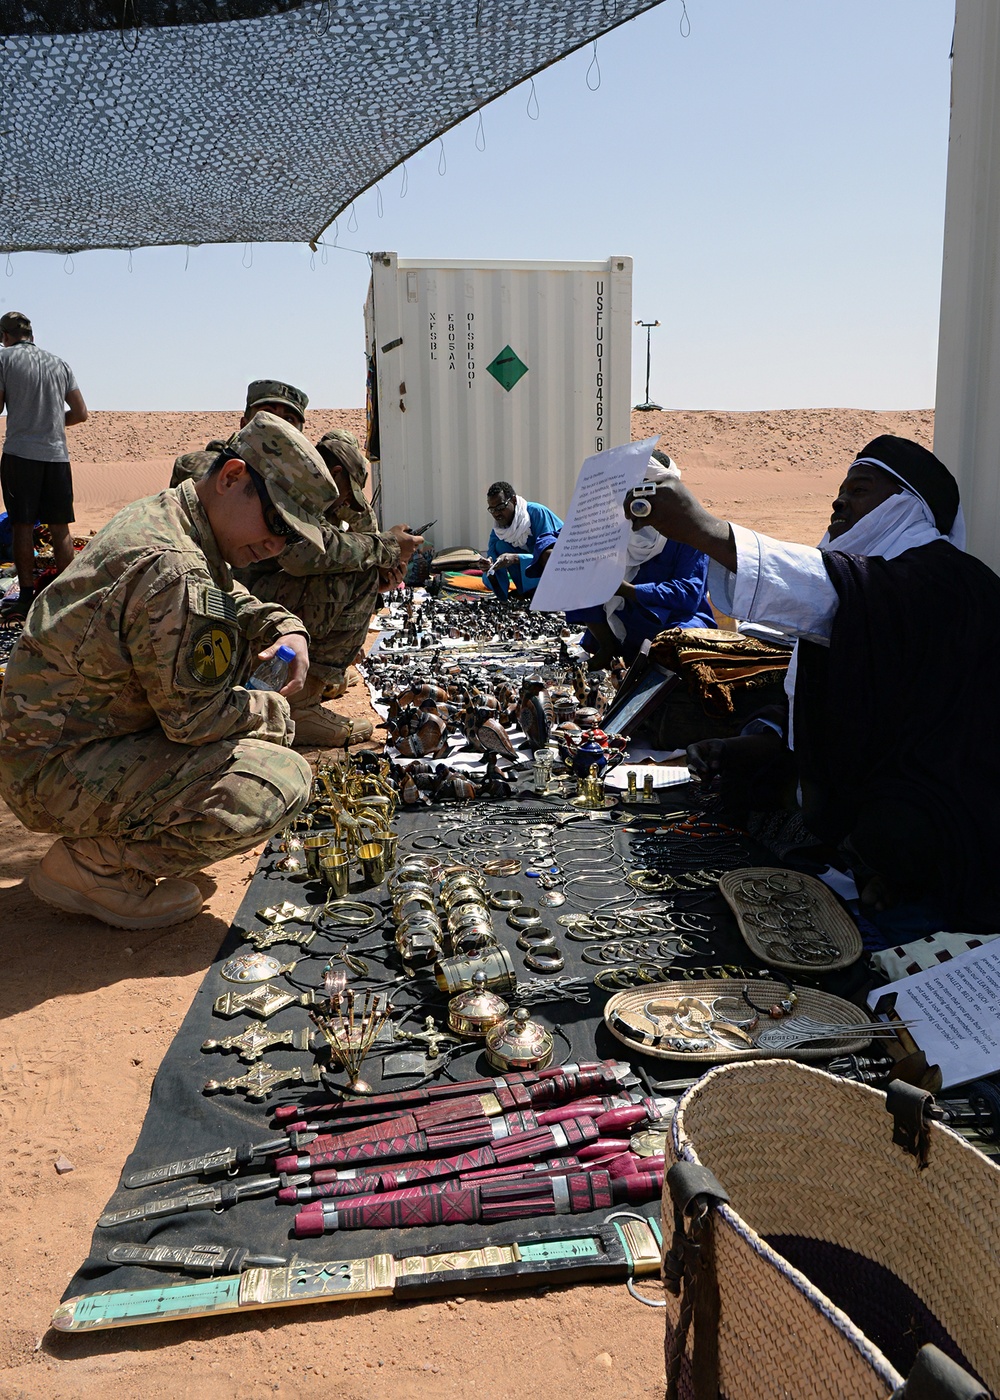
182	1121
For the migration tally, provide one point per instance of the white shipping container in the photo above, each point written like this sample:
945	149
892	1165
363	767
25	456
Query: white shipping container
480	372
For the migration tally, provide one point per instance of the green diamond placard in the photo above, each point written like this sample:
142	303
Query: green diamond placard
507	369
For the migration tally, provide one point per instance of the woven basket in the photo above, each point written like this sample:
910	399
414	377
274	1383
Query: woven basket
824	913
838	1255
820	1005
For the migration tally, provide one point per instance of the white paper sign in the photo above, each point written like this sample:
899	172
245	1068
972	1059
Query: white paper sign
587	563
957	1008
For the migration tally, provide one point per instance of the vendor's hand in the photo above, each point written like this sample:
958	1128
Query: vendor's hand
677	513
504	561
407	542
391	577
297	669
706	759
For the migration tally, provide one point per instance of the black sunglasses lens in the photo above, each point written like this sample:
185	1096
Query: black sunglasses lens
274	521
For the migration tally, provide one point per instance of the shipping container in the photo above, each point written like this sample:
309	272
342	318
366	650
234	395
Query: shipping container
491	371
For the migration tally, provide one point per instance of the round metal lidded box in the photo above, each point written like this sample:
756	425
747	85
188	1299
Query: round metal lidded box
519	1043
477	1011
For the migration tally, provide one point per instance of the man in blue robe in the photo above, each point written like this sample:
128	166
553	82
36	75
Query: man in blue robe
665	585
517	526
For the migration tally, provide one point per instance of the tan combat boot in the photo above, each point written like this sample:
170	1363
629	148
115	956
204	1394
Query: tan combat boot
88	875
318	726
335	686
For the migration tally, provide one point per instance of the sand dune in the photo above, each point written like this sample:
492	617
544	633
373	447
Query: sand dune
775	470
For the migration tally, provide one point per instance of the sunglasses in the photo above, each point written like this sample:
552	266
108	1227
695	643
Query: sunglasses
274	521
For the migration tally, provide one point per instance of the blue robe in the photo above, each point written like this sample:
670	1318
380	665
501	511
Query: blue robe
671	591
543	522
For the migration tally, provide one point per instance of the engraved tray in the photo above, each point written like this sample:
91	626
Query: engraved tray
820	1005
819	907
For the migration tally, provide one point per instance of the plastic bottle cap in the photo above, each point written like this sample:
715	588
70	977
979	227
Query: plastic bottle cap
284	654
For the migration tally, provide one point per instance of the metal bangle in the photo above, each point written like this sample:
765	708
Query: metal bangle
533	939
352	912
545	962
506	866
524	916
439	843
506	899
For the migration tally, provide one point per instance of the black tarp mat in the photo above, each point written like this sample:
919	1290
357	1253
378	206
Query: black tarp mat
182	1121
145	122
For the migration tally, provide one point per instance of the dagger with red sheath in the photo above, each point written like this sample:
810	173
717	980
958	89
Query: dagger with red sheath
574	1136
487	1204
617	1161
584	1078
432	1120
437	1140
621	1164
555	1088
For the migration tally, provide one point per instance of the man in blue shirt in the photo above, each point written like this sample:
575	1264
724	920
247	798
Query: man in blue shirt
517	526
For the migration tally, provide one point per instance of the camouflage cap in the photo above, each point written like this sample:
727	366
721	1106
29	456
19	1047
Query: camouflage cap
340	448
274	391
297	480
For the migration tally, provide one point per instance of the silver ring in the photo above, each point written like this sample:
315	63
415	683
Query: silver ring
524	916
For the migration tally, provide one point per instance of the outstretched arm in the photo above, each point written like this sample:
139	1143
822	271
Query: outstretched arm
679	515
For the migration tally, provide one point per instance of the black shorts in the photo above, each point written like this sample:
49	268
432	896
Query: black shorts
34	491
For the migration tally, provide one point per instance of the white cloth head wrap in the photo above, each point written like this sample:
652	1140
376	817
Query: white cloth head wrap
517	532
902	522
643	545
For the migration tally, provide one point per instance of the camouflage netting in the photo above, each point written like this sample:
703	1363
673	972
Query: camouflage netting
138	122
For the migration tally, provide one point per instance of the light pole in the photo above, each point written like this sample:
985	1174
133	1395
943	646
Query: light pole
647	407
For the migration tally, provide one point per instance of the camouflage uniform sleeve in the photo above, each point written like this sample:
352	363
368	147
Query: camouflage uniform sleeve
345	552
263	622
185	644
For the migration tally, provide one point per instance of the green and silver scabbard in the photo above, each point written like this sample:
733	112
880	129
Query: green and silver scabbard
620	1249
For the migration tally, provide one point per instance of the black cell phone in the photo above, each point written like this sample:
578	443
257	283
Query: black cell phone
424	528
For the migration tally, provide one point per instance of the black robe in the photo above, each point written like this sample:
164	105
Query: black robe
898	719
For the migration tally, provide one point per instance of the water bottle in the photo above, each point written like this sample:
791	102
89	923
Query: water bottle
273	674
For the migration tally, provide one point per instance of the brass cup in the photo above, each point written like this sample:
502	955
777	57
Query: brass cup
372	858
389	842
336	871
315	848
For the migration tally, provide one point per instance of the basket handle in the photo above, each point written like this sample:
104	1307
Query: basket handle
913	1110
935	1376
689	1272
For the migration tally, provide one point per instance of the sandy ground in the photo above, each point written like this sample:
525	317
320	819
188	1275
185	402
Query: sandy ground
86	1014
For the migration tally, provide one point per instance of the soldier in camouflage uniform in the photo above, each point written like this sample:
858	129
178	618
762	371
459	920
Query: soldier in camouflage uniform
334	590
123	724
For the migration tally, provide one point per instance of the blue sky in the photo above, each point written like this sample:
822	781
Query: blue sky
778	177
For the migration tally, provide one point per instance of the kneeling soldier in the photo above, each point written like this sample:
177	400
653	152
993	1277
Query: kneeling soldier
124	726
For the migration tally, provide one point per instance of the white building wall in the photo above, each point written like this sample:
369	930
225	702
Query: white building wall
967	417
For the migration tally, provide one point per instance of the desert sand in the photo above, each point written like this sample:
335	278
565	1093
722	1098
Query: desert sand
87	1013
